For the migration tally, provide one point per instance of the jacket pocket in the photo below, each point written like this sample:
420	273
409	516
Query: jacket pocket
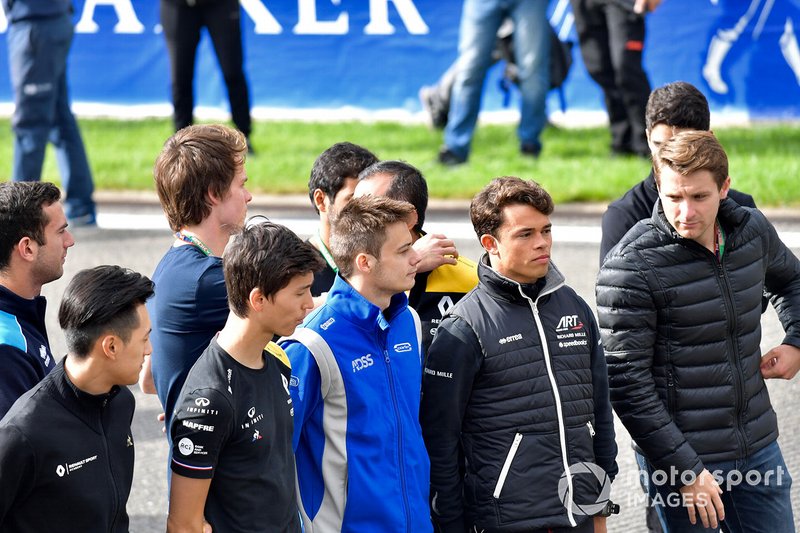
586	477
527	485
507	465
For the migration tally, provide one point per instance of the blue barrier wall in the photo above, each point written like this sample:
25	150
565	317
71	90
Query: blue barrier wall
375	54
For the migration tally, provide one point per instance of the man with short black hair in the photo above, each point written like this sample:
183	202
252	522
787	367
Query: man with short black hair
333	179
232	462
356	371
33	247
200	178
66	447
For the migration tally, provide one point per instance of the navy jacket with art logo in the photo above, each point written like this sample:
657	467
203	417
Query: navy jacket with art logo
66	459
514	396
25	356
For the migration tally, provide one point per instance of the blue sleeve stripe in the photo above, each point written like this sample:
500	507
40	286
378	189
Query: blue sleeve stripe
11	332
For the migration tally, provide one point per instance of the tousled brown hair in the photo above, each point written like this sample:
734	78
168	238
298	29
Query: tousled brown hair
360	227
486	208
691	151
195	161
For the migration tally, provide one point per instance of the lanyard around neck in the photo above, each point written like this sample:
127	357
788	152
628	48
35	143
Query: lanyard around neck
191	239
326	254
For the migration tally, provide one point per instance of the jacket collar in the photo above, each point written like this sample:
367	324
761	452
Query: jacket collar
351	305
83	405
513	291
30	311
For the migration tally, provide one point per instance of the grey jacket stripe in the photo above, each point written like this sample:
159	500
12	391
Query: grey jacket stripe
334	421
418	327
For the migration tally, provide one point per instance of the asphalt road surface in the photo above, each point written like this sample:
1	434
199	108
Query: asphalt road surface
141	238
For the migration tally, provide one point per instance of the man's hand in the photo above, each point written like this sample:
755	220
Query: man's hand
640	7
435	250
600	524
781	362
702	498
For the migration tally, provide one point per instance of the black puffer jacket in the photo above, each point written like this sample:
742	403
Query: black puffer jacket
515	386
682	331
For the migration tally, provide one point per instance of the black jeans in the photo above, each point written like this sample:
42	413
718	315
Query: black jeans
182	25
611	37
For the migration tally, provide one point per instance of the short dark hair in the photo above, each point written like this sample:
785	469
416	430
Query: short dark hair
407	185
341	161
690	151
486	208
266	256
99	300
679	105
194	161
22	214
360	227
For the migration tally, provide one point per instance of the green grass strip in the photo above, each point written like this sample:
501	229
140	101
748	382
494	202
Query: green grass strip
575	165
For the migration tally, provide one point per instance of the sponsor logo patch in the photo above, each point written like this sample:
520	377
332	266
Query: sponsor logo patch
185	446
360	363
511	338
402	347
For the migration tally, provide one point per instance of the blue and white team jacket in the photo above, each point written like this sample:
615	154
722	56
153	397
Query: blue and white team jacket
356	374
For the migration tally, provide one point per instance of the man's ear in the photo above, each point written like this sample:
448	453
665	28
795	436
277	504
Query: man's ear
111	345
213	199
726	187
318	196
365	262
27	249
256	299
489	244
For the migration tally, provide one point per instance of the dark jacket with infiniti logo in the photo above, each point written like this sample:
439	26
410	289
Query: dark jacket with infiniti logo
682	331
514	392
66	459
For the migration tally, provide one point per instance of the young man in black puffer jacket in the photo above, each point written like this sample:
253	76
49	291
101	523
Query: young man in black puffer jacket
515	410
679	303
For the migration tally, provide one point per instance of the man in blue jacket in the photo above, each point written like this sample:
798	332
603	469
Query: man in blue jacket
33	246
356	373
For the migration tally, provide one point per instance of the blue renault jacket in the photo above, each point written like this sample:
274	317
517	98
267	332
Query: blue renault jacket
356	376
25	356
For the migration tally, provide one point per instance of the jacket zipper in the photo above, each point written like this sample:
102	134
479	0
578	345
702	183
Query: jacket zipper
507	465
670	393
732	355
110	468
591	428
400	457
559	413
